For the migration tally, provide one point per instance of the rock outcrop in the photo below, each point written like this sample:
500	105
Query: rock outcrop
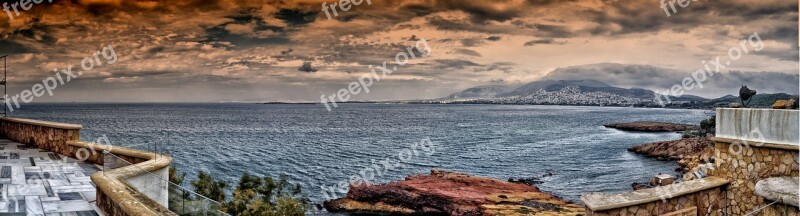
674	149
450	193
785	104
691	153
647	126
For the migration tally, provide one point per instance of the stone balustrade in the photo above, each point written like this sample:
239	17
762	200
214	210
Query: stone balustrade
139	189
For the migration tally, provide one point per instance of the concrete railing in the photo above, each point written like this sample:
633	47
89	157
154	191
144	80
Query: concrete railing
126	190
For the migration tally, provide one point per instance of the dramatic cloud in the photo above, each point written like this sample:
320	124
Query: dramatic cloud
494	38
467	52
543	41
222	50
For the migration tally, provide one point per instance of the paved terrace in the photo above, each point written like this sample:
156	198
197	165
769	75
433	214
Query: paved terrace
39	182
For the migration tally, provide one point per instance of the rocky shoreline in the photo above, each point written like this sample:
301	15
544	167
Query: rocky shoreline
689	152
451	193
673	149
650	126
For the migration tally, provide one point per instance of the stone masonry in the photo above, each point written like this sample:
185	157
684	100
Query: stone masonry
743	168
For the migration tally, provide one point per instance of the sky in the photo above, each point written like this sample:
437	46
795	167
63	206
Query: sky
223	50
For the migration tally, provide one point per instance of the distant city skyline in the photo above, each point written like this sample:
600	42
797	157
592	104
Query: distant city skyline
295	51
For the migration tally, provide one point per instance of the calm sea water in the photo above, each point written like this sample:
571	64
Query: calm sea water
314	147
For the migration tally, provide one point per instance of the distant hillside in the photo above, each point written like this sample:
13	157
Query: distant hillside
487	91
758	101
555	85
588	86
590	93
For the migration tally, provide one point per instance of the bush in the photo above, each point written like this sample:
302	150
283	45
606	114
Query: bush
206	186
708	126
253	196
256	196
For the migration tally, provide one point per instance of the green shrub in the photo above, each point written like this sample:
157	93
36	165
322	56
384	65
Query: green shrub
256	196
253	195
708	126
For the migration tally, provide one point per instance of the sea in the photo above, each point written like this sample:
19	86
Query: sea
565	147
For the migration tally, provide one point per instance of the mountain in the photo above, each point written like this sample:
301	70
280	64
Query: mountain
590	93
587	86
758	101
555	85
583	86
487	91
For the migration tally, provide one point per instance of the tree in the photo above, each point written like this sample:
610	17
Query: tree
253	195
174	177
177	180
206	186
709	125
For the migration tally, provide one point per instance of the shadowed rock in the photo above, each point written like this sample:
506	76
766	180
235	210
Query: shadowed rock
648	126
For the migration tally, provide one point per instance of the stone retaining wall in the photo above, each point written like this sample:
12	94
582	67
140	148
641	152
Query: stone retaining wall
706	202
696	197
779	209
746	167
44	135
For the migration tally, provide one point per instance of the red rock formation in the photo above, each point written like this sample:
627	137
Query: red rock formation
449	193
646	126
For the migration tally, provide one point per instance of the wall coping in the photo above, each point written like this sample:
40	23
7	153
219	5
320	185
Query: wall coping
43	123
757	144
112	182
597	201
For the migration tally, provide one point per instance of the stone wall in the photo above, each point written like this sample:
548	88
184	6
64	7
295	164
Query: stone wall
751	145
780	209
746	167
44	135
706	202
696	197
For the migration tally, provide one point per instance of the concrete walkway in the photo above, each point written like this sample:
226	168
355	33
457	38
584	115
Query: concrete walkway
37	182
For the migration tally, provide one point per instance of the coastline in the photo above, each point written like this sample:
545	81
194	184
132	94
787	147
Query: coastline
528	144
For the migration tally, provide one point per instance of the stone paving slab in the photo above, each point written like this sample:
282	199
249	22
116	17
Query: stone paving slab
38	182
